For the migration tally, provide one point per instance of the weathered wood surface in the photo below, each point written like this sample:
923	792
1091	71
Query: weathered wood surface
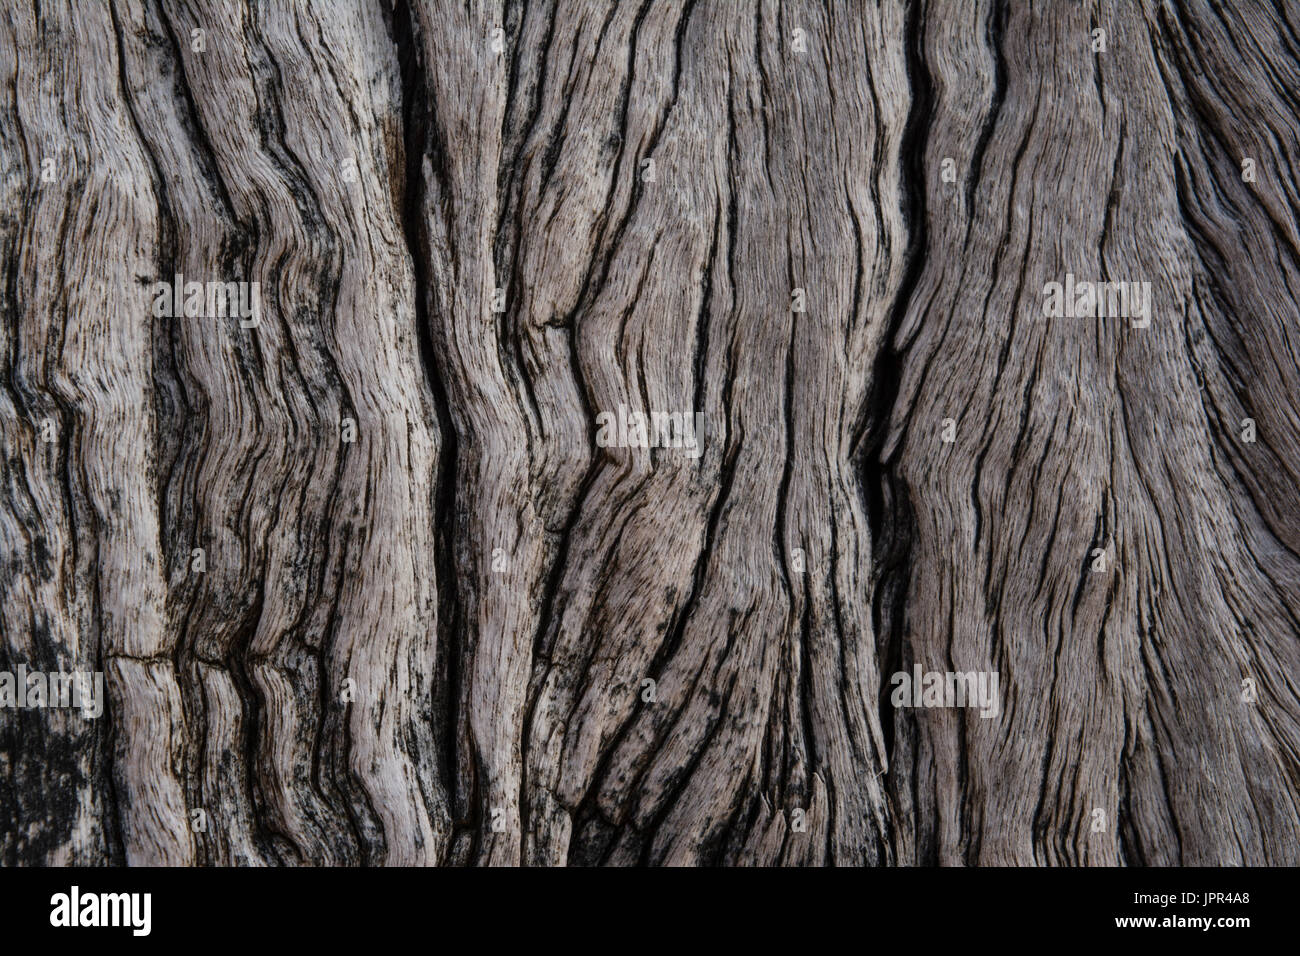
428	597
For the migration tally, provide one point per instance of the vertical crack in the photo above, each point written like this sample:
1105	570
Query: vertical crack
890	513
416	129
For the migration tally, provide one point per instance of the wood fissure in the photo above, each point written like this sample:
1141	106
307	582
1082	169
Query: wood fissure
656	433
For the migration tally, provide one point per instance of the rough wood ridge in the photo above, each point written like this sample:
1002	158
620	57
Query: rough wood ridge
598	432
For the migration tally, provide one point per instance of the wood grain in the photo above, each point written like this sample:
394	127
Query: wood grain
434	618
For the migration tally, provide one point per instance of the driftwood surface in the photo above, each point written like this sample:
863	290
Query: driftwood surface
366	585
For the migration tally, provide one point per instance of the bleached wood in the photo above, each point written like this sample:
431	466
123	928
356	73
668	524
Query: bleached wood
431	599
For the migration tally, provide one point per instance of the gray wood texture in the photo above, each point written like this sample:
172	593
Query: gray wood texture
428	596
